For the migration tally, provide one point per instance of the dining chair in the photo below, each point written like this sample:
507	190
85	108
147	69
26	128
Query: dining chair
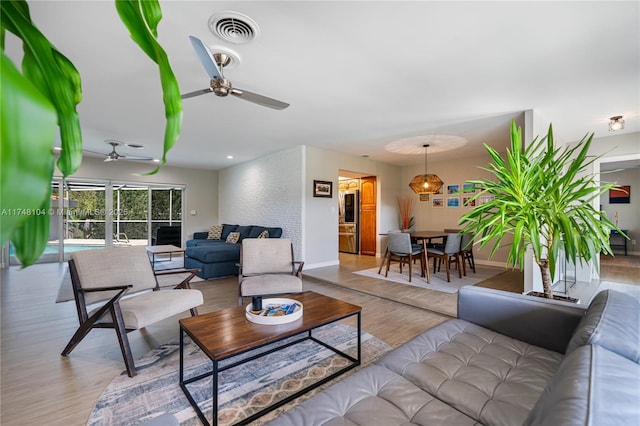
399	248
450	252
466	251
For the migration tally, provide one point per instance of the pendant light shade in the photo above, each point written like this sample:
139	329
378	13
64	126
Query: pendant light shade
426	183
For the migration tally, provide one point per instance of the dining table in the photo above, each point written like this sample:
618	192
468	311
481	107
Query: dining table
425	237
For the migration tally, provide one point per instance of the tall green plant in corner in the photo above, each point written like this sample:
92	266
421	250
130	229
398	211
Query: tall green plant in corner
542	198
41	100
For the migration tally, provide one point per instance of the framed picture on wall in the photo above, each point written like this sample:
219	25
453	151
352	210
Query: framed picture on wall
453	189
453	202
322	188
467	201
469	188
620	195
437	202
424	197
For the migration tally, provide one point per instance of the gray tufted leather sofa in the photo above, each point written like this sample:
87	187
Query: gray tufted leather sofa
507	359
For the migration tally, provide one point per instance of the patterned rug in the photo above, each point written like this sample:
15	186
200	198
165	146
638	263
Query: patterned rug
244	389
438	280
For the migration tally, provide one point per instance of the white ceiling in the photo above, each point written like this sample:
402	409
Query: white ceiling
358	75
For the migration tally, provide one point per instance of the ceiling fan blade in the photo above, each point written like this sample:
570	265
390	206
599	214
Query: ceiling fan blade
259	99
196	93
129	157
206	58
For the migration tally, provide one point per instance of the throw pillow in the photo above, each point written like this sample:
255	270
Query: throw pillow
233	237
264	234
215	232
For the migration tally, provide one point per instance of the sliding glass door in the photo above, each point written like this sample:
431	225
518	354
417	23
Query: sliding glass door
96	213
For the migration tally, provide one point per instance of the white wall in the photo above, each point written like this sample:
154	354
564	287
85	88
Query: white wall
201	193
428	217
267	192
628	214
277	190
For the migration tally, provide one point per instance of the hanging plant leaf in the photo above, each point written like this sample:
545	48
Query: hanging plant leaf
26	164
141	19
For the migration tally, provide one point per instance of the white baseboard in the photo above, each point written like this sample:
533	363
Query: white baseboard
321	264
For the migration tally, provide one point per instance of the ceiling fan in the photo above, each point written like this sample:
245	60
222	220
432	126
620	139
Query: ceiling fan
115	156
214	64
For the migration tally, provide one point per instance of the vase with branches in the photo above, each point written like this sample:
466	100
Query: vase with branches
541	196
405	206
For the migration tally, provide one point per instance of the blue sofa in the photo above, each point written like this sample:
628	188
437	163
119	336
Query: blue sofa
217	258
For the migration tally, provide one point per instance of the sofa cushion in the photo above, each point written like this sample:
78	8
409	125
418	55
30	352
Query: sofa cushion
223	252
372	396
226	229
488	376
593	386
274	232
611	321
244	231
233	238
215	232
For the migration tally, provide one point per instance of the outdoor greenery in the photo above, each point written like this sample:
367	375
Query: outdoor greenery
542	197
42	100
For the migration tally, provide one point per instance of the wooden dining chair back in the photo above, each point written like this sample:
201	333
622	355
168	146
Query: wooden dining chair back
450	253
100	279
400	249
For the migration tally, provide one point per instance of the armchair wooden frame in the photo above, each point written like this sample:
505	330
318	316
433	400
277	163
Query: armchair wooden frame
90	321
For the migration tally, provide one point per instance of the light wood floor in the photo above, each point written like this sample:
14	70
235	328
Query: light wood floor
39	387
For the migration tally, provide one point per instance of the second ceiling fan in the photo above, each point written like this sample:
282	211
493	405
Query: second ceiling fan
213	64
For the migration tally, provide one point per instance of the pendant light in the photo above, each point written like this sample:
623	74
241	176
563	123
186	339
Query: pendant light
426	183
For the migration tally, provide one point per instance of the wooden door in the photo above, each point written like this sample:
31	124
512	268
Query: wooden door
368	199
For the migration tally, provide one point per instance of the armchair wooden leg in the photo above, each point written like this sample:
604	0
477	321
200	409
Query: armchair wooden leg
121	331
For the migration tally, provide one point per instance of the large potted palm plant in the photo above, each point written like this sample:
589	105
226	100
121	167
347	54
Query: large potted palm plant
541	197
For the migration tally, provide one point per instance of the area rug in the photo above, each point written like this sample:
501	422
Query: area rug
438	280
244	389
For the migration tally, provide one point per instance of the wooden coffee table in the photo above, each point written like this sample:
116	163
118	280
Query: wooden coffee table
164	249
226	333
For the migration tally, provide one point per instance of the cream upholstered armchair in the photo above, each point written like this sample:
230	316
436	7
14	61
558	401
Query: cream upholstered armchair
103	277
267	267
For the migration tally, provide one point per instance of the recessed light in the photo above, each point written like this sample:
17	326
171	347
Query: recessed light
229	157
156	160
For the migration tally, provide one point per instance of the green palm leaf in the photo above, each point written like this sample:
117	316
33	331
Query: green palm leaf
541	201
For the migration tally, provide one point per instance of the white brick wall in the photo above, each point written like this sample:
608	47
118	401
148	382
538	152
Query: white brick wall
267	192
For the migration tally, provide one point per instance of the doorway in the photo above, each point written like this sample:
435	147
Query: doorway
357	213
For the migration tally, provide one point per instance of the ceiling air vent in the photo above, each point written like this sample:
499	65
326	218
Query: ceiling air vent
233	27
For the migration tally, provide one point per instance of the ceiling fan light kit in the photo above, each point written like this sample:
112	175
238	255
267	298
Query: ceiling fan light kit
426	183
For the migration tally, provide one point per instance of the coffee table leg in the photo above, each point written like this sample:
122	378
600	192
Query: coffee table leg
359	338
214	393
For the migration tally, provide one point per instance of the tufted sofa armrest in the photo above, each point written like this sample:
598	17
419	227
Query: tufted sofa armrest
535	320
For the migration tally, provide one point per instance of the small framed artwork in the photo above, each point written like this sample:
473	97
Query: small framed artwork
424	197
469	188
437	202
322	188
453	202
485	199
620	195
453	189
467	201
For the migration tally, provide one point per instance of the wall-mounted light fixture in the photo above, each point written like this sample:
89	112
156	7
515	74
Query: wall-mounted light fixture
616	123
